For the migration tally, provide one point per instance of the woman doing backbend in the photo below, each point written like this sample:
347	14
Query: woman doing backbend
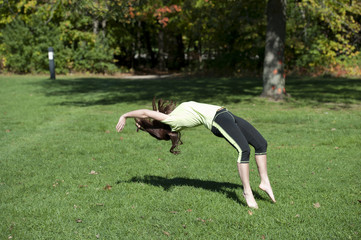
166	122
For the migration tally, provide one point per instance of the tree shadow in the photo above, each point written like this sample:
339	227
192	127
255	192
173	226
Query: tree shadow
85	92
108	91
320	90
226	188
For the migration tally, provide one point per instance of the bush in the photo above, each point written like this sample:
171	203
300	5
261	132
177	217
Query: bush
25	50
26	47
17	39
94	58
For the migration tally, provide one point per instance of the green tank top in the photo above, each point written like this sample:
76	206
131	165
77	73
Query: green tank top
191	114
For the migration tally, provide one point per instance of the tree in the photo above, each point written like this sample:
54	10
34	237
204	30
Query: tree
322	34
225	36
273	69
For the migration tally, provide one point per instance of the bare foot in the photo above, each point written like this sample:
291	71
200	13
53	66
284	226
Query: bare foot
268	189
251	202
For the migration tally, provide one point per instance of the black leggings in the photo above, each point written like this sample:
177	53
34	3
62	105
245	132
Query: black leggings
239	133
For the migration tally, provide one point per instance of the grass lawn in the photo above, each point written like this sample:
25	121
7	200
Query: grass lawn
66	174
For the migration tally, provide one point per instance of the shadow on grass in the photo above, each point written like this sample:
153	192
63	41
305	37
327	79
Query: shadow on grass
108	91
225	188
325	89
220	90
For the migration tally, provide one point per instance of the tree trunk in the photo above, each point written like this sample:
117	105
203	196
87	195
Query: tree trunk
273	69
180	51
161	53
104	28
95	26
148	44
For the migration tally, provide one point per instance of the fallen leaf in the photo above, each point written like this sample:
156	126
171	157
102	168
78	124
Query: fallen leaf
250	212
100	204
107	187
317	205
202	220
7	130
79	221
263	237
107	131
337	148
166	233
297	215
121	138
189	210
92	172
56	183
333	129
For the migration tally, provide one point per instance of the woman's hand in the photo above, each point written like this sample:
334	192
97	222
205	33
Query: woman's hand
121	123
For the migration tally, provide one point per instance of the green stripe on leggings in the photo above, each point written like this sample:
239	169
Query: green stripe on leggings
230	139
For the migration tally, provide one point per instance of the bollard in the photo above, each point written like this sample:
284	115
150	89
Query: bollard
51	62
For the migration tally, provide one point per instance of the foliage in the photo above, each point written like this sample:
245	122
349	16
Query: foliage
96	58
322	32
27	47
191	35
58	24
66	174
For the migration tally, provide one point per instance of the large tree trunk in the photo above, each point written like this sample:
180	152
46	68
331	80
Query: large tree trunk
273	69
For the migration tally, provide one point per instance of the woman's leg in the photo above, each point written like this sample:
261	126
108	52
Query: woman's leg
225	126
243	170
265	184
255	139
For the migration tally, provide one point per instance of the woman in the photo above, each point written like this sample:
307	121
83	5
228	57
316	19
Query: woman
166	122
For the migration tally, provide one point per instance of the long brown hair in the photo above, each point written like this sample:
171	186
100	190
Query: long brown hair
158	129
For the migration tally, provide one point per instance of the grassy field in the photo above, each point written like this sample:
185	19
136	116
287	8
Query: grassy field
66	174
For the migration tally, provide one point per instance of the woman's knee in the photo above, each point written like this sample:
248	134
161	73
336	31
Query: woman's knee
244	155
261	148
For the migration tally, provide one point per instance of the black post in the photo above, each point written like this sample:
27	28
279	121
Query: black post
51	62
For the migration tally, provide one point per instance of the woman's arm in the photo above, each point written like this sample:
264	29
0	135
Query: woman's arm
142	113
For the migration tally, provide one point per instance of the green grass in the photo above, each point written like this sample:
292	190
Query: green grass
55	133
